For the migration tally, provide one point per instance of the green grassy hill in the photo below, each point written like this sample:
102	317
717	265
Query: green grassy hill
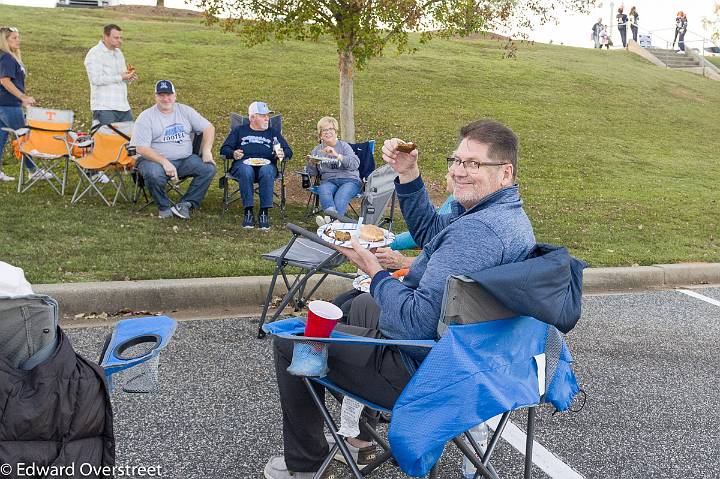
618	157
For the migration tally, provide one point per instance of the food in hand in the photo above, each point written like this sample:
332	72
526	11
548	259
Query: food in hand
371	233
131	69
405	147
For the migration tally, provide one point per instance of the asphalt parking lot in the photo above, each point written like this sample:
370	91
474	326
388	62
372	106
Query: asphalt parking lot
648	363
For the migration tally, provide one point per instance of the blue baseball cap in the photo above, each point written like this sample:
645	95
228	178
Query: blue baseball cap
164	86
259	108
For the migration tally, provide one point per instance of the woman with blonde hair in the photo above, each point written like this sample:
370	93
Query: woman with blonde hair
338	166
12	89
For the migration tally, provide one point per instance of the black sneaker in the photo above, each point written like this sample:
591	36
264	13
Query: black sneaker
249	219
264	220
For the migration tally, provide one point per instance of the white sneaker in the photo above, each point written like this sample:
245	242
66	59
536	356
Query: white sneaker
42	175
680	52
4	177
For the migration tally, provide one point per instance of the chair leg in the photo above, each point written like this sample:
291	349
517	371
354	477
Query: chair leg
339	441
529	442
261	334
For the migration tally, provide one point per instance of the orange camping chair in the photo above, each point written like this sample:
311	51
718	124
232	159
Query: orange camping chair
107	165
46	141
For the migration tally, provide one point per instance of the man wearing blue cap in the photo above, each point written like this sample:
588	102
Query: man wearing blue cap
163	137
249	146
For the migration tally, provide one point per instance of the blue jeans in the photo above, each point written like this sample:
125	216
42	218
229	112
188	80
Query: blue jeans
249	175
156	179
338	193
12	117
106	117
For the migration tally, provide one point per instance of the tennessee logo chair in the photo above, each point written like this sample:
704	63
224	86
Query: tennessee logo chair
106	166
46	141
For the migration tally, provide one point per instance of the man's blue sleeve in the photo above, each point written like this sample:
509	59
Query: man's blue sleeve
408	313
422	220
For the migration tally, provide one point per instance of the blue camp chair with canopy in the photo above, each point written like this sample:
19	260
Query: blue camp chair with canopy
365	152
522	363
311	254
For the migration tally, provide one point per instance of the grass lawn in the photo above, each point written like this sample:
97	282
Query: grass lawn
618	157
714	60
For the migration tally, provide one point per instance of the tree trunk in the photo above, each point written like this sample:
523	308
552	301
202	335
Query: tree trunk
160	3
347	106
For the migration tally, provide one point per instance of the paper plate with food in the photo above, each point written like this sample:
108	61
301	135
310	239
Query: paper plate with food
362	283
256	161
370	236
321	159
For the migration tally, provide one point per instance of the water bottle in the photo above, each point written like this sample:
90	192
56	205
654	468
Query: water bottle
276	147
480	434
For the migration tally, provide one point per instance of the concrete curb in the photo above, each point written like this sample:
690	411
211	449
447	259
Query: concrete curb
245	295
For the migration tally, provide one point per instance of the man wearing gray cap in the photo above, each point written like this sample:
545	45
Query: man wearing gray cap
163	137
256	148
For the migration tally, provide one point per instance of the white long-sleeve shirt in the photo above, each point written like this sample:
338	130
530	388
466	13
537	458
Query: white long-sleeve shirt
104	68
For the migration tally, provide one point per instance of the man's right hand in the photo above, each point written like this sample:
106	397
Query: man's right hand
405	164
238	154
129	76
170	170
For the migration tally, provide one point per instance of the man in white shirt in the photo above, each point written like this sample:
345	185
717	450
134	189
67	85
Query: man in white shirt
163	137
109	77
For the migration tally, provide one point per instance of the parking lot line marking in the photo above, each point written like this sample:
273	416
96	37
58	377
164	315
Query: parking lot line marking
694	294
542	457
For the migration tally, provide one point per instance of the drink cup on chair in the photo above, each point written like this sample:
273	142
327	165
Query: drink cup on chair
310	357
321	319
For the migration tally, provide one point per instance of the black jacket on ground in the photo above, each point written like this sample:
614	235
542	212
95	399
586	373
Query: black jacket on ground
57	413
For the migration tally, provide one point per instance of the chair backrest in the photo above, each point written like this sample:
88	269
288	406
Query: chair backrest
236	119
109	143
378	194
28	329
466	302
44	125
365	152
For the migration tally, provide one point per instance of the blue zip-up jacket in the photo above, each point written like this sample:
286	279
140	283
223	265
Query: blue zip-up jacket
495	231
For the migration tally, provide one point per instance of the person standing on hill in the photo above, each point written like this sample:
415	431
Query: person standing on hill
681	25
622	20
634	18
604	37
109	78
596	29
12	94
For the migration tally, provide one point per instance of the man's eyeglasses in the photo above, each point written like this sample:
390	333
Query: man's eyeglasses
471	166
9	29
327	130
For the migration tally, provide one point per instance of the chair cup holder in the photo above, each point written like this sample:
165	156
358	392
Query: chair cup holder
309	359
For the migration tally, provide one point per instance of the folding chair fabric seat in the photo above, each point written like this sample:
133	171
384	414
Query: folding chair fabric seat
108	157
231	195
46	141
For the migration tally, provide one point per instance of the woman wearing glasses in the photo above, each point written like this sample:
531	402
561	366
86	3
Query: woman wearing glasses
337	165
12	89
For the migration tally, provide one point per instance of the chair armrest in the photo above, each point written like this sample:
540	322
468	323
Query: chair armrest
17	133
297	230
293	328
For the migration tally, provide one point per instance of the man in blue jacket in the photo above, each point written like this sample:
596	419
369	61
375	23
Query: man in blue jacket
256	149
486	228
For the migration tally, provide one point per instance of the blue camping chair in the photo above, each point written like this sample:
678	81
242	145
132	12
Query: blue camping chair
365	152
230	195
523	363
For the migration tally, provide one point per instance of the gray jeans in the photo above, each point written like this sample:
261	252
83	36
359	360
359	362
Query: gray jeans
105	117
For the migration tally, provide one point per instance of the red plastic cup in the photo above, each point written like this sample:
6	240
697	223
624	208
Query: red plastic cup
321	319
